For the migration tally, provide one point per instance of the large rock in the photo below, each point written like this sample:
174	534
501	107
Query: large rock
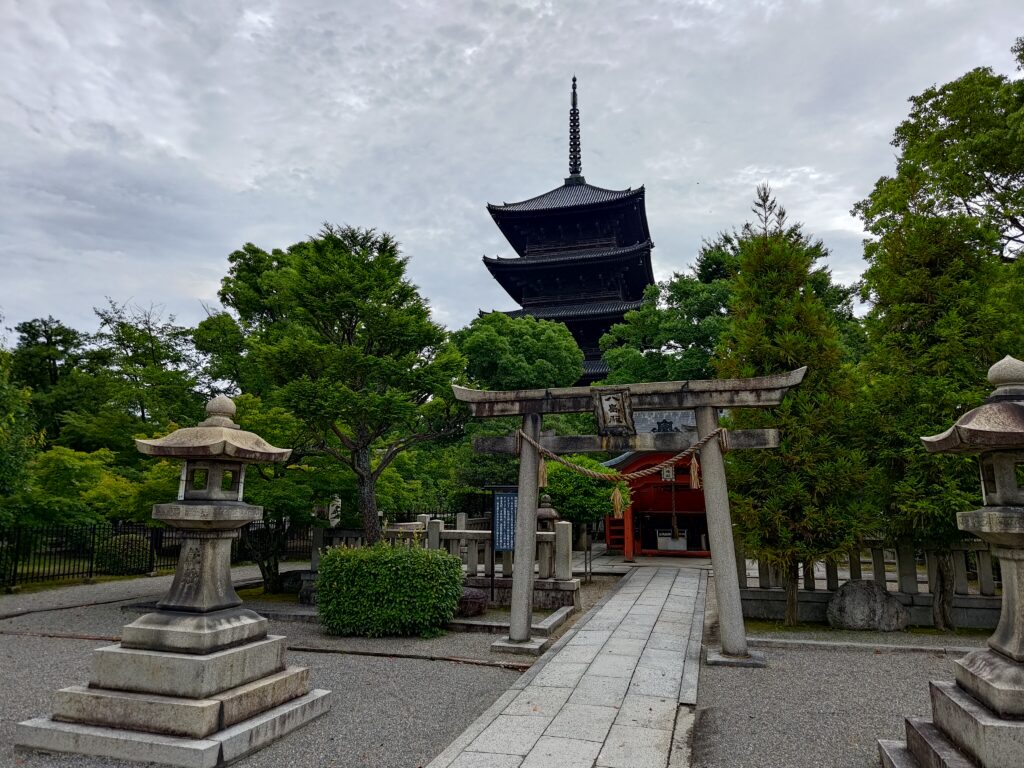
472	603
866	605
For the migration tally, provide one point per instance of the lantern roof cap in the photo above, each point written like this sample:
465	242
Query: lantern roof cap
217	436
997	424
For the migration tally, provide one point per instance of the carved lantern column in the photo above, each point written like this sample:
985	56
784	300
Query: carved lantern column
982	714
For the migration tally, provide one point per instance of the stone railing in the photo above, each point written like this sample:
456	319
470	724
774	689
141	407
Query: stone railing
554	584
975	580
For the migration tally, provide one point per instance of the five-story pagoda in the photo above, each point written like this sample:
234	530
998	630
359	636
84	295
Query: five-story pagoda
583	254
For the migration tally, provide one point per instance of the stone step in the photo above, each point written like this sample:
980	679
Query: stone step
176	716
982	735
147	712
894	754
48	735
931	748
188	675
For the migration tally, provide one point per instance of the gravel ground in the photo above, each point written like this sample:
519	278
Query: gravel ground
126	589
811	708
816	706
385	712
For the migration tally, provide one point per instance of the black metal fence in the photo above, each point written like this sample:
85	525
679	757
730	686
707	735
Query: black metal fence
64	552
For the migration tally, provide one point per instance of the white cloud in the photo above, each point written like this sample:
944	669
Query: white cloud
140	146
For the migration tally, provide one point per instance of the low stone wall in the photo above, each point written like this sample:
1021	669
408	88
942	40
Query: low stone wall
548	594
969	611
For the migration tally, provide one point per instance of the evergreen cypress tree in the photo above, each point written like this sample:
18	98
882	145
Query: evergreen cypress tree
802	502
944	308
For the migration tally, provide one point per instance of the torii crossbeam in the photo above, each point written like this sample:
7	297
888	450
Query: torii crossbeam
614	406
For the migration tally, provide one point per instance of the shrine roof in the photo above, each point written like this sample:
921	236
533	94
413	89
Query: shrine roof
572	194
578	310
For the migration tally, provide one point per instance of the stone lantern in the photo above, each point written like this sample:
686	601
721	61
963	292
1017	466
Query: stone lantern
546	515
198	682
981	713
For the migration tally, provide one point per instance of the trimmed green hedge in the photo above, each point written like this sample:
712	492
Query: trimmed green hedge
384	590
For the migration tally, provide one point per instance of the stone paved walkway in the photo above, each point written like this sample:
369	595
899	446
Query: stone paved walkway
614	692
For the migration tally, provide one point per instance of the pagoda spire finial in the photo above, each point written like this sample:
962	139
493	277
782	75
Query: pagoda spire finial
575	156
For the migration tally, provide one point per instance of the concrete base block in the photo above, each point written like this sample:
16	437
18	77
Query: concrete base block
894	754
754	659
535	646
994	680
931	748
990	740
255	733
238	704
171	716
48	735
201	633
191	676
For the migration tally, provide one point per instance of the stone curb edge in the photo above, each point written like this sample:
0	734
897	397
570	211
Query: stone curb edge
763	642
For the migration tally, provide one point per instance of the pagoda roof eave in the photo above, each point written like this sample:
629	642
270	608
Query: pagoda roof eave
557	259
566	197
580	311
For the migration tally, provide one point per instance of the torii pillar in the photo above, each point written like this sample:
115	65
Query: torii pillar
614	407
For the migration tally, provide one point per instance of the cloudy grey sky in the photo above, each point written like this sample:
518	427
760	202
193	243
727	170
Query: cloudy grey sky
141	142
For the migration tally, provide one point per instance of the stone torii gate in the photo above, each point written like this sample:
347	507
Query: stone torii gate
613	407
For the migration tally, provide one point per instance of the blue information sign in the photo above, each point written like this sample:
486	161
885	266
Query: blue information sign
504	521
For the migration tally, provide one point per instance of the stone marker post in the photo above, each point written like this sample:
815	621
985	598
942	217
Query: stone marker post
198	682
526	534
723	548
981	715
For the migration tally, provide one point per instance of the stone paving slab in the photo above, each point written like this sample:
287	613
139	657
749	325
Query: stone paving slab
607	694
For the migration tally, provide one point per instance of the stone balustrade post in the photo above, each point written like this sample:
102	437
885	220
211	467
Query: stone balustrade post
563	550
434	528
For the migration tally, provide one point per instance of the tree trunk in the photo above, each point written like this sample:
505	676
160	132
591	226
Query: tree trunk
942	592
792	594
367	496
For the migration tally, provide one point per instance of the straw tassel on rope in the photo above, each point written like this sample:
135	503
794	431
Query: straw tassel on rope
542	473
617	501
694	473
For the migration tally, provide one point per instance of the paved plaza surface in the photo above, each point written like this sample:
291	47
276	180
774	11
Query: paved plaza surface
618	689
608	693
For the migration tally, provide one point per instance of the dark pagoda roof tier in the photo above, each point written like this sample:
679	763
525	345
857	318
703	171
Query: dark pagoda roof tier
632	263
568	312
569	195
558	219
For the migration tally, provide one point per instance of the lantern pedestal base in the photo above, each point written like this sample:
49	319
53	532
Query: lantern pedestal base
182	709
181	632
48	735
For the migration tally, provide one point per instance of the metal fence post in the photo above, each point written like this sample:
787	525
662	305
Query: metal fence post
92	552
17	552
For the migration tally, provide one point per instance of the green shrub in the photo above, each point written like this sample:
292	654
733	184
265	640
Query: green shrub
384	590
122	555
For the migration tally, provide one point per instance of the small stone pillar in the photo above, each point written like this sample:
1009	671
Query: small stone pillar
981	713
198	681
546	519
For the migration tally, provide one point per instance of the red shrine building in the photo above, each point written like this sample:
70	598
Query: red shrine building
583	258
665	516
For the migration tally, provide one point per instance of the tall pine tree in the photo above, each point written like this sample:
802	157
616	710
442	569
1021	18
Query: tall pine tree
802	502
